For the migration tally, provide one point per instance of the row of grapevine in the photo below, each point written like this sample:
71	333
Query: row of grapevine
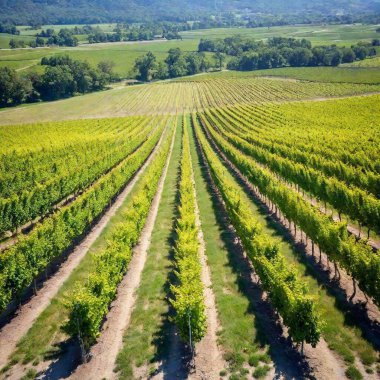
53	149
222	89
297	150
332	238
187	290
188	94
21	263
39	200
89	303
340	130
287	293
353	202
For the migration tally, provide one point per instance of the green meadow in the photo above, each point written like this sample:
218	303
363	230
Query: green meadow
124	53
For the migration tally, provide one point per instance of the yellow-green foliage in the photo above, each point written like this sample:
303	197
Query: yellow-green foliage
182	95
40	175
188	299
89	303
21	263
272	181
287	293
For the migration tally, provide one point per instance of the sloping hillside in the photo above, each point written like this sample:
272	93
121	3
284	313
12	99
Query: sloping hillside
92	11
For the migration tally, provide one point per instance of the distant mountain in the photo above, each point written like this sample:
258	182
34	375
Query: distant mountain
92	11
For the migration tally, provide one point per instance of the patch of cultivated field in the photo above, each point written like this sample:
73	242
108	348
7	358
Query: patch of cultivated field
183	95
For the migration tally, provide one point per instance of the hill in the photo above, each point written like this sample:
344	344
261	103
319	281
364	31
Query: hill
94	11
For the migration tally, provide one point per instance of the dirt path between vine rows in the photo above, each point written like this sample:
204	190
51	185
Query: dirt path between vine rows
24	318
208	360
104	353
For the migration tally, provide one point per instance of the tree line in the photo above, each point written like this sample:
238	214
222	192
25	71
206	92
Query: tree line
122	32
176	64
63	77
48	37
9	28
140	32
249	54
130	32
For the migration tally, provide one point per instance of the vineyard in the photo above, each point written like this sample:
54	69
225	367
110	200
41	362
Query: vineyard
189	94
216	226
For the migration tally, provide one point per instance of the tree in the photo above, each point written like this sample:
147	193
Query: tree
145	66
12	43
7	77
361	52
13	88
336	58
81	75
179	68
348	55
219	59
106	68
300	57
57	82
162	71
40	41
177	65
196	62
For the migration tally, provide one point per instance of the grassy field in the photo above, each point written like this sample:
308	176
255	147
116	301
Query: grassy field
26	31
373	62
357	74
124	54
317	34
28	35
5	38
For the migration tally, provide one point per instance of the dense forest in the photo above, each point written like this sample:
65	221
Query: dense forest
86	11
